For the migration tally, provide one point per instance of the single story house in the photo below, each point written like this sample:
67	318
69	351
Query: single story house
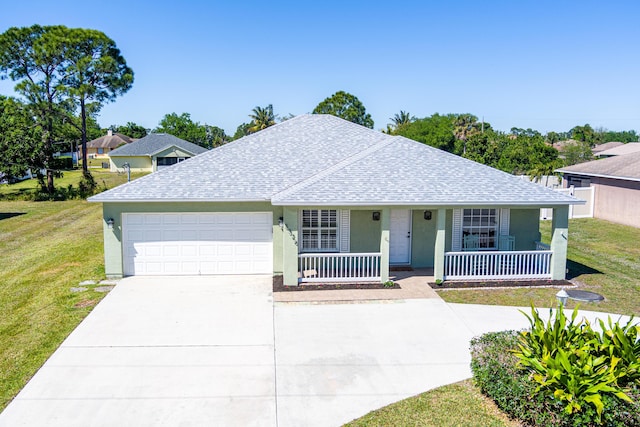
320	199
101	147
616	181
153	152
620	150
605	146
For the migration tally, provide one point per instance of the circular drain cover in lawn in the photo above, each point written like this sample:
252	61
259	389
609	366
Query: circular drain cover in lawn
584	295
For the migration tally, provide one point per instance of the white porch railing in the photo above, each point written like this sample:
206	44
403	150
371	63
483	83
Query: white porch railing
489	265
339	267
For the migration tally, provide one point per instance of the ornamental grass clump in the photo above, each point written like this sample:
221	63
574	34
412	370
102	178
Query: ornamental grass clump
562	372
577	364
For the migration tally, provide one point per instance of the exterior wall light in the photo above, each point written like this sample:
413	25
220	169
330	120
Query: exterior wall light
376	216
281	223
110	223
427	215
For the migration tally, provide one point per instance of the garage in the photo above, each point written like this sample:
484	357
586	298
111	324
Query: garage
197	243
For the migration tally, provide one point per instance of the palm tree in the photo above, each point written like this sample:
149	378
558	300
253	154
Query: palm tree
262	118
401	119
465	126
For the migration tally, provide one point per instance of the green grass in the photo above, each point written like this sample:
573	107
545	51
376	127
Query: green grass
604	257
459	404
104	179
47	250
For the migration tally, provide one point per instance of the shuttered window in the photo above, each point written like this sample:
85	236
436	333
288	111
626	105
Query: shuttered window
486	224
319	230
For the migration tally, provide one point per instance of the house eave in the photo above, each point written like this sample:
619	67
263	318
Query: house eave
599	175
177	200
434	204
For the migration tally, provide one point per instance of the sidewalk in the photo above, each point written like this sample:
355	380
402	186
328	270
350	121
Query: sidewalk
413	285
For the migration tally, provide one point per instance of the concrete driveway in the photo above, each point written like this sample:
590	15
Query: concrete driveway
162	352
216	351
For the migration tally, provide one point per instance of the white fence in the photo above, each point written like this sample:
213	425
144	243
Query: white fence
575	211
488	265
339	267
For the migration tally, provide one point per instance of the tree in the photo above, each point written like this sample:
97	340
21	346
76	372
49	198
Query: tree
20	138
344	105
262	118
131	129
34	56
61	73
95	73
577	152
401	119
464	126
436	131
552	138
242	130
183	127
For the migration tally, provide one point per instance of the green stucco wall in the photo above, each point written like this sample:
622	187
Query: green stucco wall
365	232
524	224
137	164
113	238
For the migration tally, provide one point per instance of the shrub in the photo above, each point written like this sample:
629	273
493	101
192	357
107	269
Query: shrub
602	364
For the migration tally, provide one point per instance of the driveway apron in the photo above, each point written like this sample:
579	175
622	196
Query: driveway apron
162	352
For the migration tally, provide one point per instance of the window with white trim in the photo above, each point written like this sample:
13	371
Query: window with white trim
319	230
483	223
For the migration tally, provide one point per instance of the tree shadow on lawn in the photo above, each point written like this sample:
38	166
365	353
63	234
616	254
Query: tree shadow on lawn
7	215
576	269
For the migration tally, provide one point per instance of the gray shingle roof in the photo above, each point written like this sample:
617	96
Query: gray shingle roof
626	167
324	160
155	142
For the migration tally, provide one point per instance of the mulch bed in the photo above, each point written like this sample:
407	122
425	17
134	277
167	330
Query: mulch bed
500	284
278	286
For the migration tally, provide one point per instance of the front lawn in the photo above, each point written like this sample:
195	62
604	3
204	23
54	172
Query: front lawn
104	179
47	248
603	257
459	404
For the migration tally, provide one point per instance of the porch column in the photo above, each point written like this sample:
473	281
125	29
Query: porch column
290	247
438	253
385	222
559	236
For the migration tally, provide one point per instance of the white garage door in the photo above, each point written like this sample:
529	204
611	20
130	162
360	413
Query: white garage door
197	243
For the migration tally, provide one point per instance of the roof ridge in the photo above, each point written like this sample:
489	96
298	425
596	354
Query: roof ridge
385	140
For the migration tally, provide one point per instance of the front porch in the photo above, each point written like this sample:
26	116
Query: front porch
436	241
468	265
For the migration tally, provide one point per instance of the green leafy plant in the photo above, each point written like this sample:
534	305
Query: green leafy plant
439	282
389	284
576	364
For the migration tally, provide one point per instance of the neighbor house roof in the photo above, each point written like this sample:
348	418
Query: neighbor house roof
606	146
154	143
323	160
625	167
110	140
621	150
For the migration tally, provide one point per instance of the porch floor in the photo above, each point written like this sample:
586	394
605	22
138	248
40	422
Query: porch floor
413	285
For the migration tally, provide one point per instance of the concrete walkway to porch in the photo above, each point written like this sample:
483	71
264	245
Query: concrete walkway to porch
414	284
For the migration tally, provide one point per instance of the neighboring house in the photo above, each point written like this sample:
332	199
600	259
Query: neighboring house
153	152
101	147
606	146
621	150
616	181
320	199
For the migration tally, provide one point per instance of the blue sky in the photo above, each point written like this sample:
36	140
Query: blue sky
548	65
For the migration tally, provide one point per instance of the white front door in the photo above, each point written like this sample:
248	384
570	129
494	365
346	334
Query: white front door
400	237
